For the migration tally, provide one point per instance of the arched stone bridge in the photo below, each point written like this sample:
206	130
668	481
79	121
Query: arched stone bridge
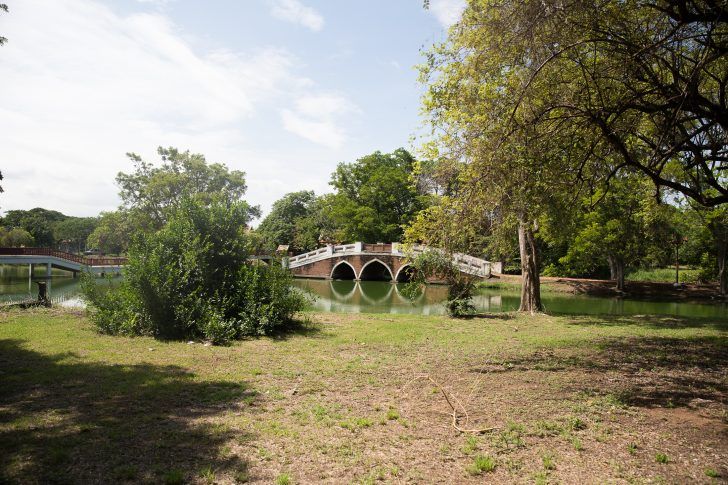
377	262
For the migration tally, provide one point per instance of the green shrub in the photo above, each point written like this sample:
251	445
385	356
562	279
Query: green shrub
192	279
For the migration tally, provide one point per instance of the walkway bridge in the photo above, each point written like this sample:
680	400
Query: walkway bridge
379	262
51	258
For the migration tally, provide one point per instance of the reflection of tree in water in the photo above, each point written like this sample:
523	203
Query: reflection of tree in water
93	422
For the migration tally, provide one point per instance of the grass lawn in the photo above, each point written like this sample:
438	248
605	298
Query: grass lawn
348	399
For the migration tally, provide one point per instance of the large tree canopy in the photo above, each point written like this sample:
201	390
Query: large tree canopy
546	101
643	83
375	197
151	192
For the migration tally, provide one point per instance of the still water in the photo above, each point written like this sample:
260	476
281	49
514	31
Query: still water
384	297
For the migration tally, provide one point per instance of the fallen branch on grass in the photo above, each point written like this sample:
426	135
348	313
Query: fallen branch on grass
455	415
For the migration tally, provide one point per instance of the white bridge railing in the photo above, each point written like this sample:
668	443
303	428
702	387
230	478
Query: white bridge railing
467	264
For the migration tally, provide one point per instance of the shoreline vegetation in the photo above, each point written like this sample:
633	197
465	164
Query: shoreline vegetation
362	398
637	290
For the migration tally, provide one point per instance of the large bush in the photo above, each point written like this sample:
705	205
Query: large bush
193	279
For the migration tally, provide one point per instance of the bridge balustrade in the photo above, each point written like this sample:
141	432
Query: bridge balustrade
49	252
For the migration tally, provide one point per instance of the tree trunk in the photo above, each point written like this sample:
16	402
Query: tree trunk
531	285
616	271
722	272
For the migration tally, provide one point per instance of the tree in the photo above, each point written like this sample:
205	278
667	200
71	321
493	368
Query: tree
547	101
281	225
72	233
644	81
152	193
191	279
375	197
613	226
112	233
15	237
38	222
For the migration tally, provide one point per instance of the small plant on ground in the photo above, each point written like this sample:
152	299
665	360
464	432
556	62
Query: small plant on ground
632	448
661	458
549	461
283	479
207	474
576	443
482	464
712	473
471	445
392	414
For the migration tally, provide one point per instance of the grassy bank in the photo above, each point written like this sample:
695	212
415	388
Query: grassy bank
358	398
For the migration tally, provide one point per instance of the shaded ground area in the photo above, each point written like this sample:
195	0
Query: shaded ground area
359	399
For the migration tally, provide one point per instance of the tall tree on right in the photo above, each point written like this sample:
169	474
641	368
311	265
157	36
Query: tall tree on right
552	94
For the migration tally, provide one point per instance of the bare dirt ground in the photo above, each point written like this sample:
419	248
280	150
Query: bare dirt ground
359	399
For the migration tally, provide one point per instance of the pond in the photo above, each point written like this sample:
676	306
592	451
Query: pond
385	297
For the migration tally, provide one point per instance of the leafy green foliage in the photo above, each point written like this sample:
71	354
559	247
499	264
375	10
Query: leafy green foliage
438	264
48	228
191	279
153	192
15	237
375	197
113	232
281	226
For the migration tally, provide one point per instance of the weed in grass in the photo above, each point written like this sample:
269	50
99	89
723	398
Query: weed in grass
549	461
576	443
207	474
471	445
481	464
264	454
510	438
661	458
173	477
541	478
283	479
632	448
712	473
576	423
547	428
392	414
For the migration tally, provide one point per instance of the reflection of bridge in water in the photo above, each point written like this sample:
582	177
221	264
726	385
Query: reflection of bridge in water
383	297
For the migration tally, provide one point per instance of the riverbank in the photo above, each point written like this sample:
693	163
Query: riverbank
359	398
644	290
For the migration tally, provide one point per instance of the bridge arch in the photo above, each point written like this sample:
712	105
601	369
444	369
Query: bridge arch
343	270
405	273
376	270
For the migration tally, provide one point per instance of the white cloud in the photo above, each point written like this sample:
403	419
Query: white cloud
295	12
447	12
317	118
82	85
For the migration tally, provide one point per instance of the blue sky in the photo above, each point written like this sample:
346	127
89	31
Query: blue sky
282	89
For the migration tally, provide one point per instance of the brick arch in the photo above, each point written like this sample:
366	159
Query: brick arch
343	261
376	260
402	268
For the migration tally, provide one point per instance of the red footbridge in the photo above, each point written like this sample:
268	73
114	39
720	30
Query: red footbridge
52	258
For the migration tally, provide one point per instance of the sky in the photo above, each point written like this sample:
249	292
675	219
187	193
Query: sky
283	90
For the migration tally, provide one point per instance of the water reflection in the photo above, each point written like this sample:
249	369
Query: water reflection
385	297
16	284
